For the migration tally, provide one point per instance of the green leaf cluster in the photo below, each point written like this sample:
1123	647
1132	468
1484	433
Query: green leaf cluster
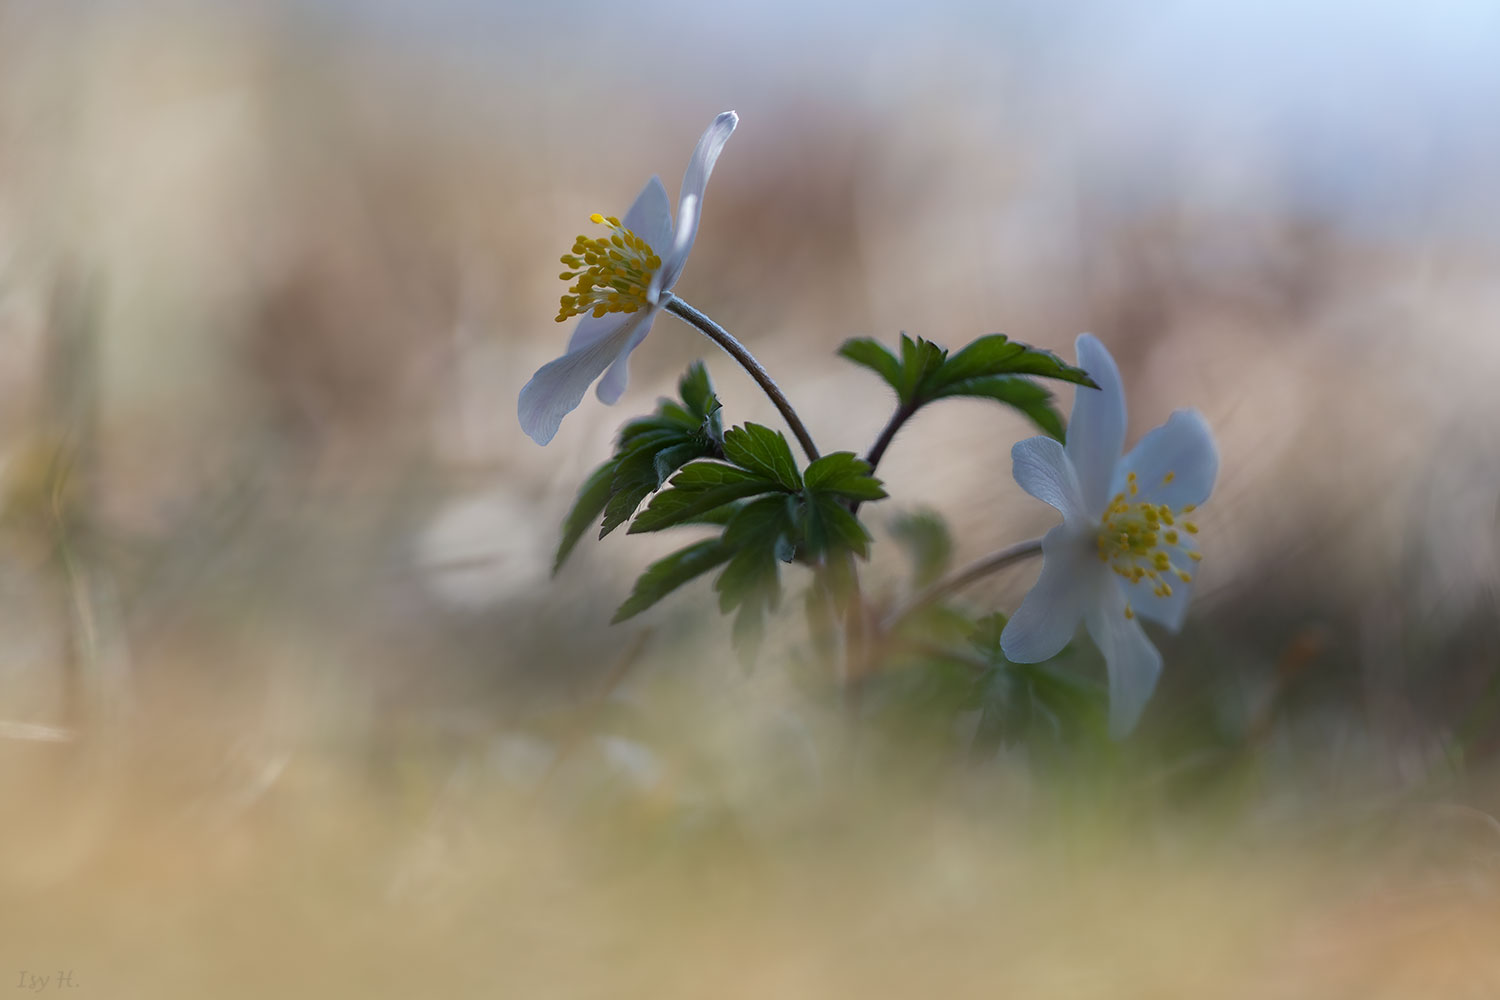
992	367
647	452
771	512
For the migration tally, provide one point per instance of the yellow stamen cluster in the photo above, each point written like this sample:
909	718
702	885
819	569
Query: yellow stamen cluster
613	272
1139	541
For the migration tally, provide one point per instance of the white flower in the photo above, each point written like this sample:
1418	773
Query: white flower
623	280
1125	547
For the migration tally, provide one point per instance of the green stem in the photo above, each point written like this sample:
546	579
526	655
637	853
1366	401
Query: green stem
736	350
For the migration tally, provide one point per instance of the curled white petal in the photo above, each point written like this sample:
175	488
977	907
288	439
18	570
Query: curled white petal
1183	448
1096	431
1050	613
558	386
1042	468
694	183
1133	662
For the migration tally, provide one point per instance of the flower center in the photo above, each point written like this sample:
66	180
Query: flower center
1146	541
613	272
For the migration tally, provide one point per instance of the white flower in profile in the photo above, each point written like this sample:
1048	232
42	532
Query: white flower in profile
1125	547
622	281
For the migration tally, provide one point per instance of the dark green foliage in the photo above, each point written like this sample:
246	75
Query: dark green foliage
666	575
1020	393
697	489
843	474
648	451
992	367
764	451
771	514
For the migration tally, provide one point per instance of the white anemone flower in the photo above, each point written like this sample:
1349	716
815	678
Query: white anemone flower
1126	547
621	281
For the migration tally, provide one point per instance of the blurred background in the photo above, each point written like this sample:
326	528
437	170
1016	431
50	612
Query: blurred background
288	701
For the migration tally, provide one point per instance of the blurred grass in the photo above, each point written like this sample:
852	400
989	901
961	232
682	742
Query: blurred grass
288	704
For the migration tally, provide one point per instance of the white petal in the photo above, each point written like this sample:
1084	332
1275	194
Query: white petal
650	217
694	182
1049	615
558	386
1169	611
1042	468
612	385
1134	664
1184	447
590	330
1096	432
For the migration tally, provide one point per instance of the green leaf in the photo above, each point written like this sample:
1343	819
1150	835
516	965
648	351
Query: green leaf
761	523
830	527
997	354
592	497
697	392
669	460
921	360
764	451
666	575
1015	391
752	583
695	490
924	535
843	474
874	356
635	480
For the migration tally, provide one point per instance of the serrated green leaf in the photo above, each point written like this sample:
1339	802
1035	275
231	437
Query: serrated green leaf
667	574
635	480
997	354
764	451
669	460
1015	391
592	498
761	522
697	391
873	355
925	537
830	527
921	360
843	474
753	575
696	489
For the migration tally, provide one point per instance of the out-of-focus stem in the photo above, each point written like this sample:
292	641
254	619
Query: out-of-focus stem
978	570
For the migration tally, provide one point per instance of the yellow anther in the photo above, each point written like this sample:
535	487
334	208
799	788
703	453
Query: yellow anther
1139	541
610	273
1168	477
1189	508
1129	612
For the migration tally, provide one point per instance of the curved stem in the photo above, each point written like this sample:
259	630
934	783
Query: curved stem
736	350
992	563
877	450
